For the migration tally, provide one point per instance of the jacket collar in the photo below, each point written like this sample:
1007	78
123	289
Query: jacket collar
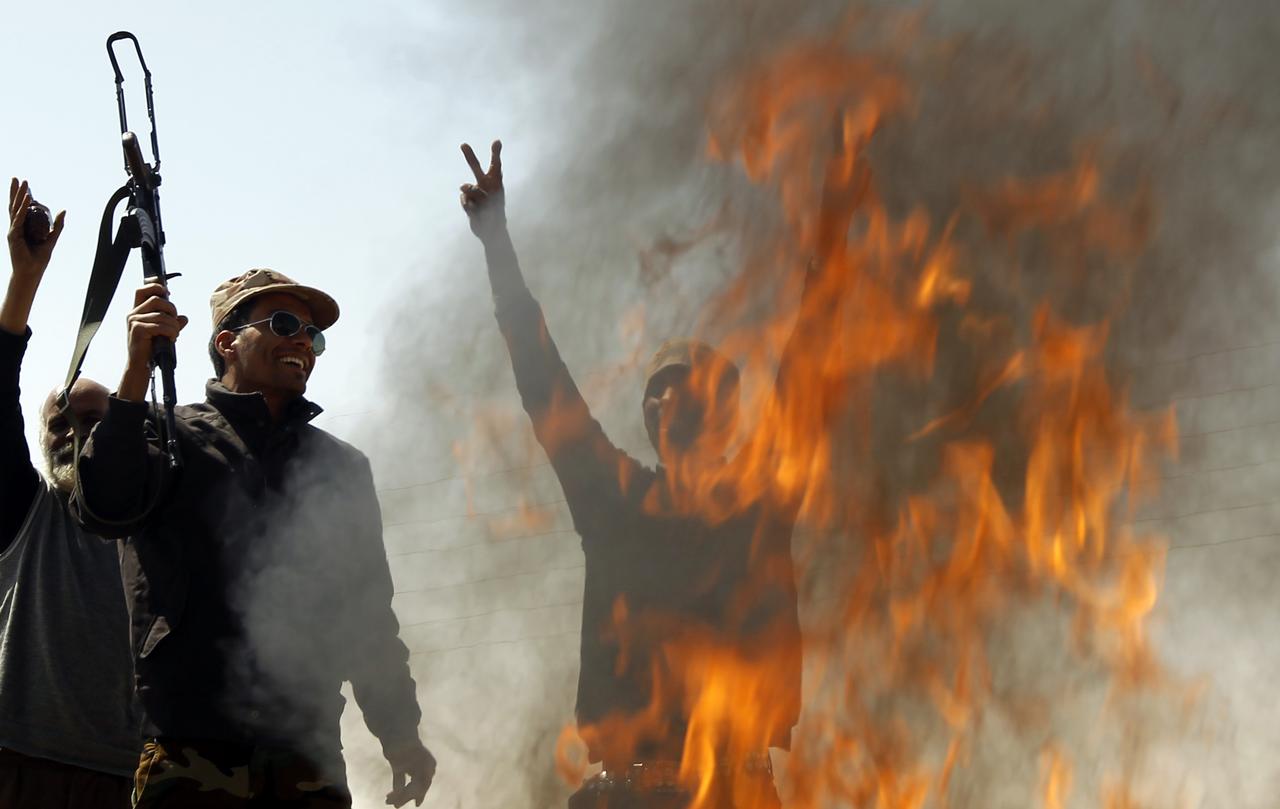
252	407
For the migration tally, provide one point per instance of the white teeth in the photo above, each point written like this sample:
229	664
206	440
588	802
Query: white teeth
292	361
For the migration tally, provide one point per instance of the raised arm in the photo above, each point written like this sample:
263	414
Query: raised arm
579	450
799	393
19	481
123	472
812	319
844	189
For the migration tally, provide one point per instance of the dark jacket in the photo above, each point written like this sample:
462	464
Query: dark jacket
19	480
656	578
256	575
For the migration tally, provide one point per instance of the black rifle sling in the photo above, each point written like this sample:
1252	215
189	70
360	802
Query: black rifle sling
108	266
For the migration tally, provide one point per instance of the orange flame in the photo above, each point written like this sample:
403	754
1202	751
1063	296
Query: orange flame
1057	782
1020	495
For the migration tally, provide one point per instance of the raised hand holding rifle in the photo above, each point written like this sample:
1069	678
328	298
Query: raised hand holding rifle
153	319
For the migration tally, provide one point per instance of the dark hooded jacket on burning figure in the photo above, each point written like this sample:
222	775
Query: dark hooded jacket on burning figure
657	580
256	575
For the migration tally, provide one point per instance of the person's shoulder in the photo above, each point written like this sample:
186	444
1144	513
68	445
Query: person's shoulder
196	410
200	417
635	478
336	465
326	442
51	509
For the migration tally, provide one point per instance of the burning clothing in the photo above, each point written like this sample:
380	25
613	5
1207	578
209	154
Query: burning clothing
257	575
66	691
659	580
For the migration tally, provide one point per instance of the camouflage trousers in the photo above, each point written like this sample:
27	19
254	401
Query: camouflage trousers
196	774
26	782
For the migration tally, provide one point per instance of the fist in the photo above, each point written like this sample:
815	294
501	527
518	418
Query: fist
153	316
38	225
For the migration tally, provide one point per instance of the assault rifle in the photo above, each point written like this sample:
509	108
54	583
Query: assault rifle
140	227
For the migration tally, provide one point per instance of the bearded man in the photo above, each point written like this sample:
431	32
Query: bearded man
68	730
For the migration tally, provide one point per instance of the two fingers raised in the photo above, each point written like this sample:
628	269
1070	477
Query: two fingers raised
493	177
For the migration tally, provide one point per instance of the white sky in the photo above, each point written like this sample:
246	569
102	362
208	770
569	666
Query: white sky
316	138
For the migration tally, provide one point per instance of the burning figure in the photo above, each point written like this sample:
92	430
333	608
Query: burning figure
675	561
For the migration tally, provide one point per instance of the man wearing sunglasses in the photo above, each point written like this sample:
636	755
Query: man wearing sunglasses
257	574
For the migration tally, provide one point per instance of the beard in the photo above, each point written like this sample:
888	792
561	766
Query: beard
62	469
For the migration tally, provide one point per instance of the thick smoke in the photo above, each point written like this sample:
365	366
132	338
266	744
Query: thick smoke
612	223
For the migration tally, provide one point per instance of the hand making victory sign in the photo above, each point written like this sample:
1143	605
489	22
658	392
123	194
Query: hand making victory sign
485	200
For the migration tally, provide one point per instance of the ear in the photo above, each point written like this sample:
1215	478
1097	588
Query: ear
225	342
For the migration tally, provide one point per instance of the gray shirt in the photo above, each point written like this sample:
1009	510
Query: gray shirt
66	672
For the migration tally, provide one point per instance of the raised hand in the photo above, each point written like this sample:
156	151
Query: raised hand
153	316
28	260
485	200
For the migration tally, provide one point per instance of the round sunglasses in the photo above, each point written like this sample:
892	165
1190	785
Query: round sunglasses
287	324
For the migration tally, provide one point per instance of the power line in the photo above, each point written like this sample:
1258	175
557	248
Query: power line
1207	395
506	577
1217	510
485	543
504	642
1223	542
1211	469
1235	429
463	476
1213	353
473	514
439	621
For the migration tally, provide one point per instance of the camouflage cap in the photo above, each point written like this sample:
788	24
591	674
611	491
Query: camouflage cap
232	293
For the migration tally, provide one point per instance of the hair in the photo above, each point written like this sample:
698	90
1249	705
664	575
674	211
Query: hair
237	317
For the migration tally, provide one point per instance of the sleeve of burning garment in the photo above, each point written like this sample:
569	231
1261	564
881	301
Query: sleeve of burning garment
588	465
19	481
378	659
122	472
